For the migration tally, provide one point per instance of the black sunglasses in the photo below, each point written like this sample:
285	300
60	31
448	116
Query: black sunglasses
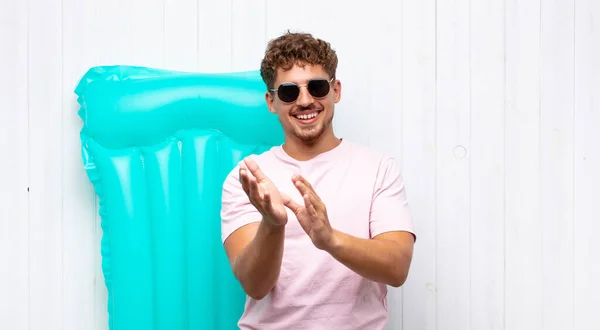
289	92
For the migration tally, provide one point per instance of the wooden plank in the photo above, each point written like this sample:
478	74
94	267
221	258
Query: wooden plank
487	164
556	163
353	118
111	35
418	93
78	196
380	116
453	157
248	34
147	32
46	170
14	176
367	90
282	16
523	289
181	34
214	36
587	164
113	31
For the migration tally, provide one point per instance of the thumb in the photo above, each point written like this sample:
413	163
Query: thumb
289	203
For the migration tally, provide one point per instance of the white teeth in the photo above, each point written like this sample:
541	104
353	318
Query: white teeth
309	116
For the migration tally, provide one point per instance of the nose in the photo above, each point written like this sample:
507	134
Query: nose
304	99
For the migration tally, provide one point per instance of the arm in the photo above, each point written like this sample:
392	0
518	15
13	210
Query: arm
253	221
387	255
255	252
386	258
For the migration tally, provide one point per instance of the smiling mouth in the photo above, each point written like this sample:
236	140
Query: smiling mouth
307	117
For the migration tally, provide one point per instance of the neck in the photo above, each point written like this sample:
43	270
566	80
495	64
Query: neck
302	150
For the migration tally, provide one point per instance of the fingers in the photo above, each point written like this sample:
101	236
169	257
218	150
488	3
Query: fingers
254	169
250	176
311	211
300	185
244	179
304	181
254	191
305	188
289	203
267	202
310	207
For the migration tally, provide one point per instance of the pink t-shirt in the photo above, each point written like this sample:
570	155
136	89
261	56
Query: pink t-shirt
364	194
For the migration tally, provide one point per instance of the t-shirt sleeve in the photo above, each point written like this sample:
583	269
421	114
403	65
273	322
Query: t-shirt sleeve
236	209
389	209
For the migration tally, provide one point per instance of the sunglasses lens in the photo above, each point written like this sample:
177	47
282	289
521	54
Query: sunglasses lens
288	92
318	87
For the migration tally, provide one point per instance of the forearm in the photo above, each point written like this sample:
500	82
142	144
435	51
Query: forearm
383	261
257	267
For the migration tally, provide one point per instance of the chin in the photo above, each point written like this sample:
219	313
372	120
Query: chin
308	126
309	135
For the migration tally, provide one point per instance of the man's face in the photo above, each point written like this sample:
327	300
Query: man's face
305	110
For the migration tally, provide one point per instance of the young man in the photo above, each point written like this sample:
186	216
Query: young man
315	229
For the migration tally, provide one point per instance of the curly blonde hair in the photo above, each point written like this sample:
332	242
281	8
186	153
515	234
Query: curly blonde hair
296	48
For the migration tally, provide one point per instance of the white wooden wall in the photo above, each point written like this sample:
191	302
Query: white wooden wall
492	107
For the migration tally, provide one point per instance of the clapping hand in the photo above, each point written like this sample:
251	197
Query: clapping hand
262	193
313	215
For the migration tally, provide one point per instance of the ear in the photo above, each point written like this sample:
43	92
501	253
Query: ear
337	89
269	99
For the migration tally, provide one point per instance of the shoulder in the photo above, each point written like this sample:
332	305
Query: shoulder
388	209
374	158
372	152
381	169
263	159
